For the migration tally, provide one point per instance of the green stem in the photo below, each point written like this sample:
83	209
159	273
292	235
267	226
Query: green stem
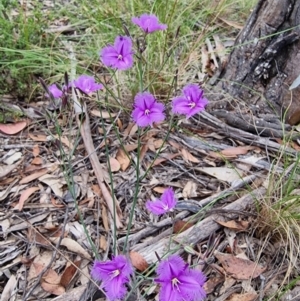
69	177
140	69
137	189
137	169
111	182
159	151
166	138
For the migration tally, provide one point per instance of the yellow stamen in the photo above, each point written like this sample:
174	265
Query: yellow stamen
120	57
192	105
147	112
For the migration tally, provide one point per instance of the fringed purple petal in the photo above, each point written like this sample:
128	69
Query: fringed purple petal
120	55
170	268
148	23
147	110
114	274
191	102
57	93
156	207
87	84
168	198
178	282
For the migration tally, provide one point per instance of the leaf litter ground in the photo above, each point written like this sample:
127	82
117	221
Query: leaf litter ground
218	181
220	175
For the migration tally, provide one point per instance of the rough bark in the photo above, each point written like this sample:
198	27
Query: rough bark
265	60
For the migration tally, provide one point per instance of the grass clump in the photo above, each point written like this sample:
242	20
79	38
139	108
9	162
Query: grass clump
279	221
29	49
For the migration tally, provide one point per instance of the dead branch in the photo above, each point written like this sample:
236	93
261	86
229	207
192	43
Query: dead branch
200	231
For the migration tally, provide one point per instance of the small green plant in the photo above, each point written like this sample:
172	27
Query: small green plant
20	43
152	77
279	215
176	279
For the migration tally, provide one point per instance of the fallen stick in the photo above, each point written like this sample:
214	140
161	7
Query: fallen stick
136	237
246	137
84	125
198	232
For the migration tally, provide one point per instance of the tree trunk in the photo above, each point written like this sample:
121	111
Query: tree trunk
266	60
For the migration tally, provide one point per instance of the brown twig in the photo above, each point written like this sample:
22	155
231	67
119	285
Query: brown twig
83	122
199	231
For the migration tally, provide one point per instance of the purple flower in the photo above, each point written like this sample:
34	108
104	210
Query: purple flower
148	23
191	102
57	93
147	110
87	84
114	275
165	204
119	55
178	282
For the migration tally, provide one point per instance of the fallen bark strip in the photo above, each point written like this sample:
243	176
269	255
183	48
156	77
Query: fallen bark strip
84	125
235	185
251	124
201	143
202	147
135	238
246	137
198	232
27	223
152	241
